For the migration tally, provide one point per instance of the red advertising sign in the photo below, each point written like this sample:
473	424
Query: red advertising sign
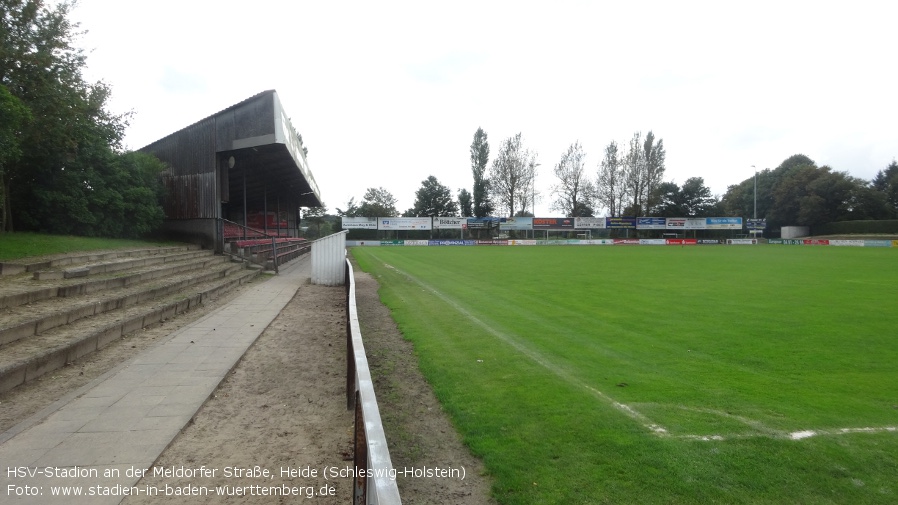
682	241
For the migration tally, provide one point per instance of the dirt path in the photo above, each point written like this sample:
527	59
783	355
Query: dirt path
284	406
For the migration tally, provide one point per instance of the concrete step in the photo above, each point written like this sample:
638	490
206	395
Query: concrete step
29	358
22	290
25	321
58	260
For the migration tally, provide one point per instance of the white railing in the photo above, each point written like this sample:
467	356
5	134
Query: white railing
375	481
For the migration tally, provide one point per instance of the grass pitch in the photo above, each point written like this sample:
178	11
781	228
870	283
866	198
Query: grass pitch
608	374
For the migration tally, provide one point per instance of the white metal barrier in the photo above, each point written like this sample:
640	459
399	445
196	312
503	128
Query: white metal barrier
375	481
328	257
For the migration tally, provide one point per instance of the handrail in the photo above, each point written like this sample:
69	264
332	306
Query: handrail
375	478
256	233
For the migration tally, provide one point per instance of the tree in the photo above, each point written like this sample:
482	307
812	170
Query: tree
465	203
315	216
574	192
377	202
512	175
610	187
433	199
58	183
352	209
14	116
643	172
480	154
886	183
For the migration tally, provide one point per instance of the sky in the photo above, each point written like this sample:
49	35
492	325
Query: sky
388	93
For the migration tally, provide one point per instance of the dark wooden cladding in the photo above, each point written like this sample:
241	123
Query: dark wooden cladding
190	196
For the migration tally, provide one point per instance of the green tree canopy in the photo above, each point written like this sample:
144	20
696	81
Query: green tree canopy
465	203
433	199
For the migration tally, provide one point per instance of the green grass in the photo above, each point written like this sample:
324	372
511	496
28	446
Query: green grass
22	245
560	366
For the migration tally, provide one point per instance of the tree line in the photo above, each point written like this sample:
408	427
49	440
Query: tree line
62	166
629	181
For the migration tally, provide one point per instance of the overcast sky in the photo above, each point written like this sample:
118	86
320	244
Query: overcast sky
388	93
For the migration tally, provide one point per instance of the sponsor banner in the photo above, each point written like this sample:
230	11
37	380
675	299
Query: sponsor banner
651	223
553	223
451	242
681	241
404	223
755	224
619	223
416	242
652	241
598	241
492	242
359	223
791	241
522	242
516	223
877	243
708	241
449	223
392	242
723	223
895	243
686	223
815	242
479	223
742	241
847	243
626	241
362	243
589	223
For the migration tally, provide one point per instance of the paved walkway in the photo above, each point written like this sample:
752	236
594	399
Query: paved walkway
103	436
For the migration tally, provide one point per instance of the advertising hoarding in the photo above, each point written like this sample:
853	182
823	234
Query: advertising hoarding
620	223
651	223
516	223
404	223
359	223
589	223
449	223
553	223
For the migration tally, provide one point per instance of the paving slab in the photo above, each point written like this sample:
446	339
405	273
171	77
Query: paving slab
122	421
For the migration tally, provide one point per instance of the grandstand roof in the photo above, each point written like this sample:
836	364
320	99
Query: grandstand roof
248	152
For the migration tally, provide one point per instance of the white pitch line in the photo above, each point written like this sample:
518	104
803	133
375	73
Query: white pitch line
538	358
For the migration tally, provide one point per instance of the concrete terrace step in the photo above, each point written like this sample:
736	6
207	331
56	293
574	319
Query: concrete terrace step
58	260
29	358
23	322
115	266
22	290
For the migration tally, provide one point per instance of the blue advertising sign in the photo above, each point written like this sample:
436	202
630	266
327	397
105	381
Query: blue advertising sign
620	222
651	223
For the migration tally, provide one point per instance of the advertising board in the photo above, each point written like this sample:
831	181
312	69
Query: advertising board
449	223
516	223
359	223
620	223
651	223
404	223
589	223
553	223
